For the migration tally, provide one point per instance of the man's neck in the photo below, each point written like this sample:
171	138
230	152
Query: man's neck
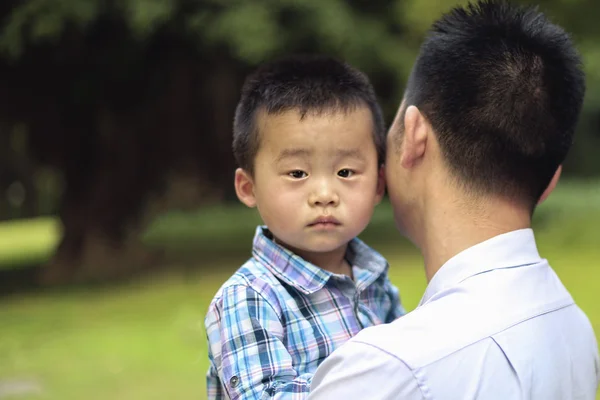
454	225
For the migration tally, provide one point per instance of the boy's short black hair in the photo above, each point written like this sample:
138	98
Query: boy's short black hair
312	84
502	87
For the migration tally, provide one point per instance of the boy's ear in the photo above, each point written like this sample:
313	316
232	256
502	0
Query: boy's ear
380	184
244	187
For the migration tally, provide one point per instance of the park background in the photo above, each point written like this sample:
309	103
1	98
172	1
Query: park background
118	220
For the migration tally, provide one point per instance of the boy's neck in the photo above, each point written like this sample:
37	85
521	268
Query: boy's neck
333	261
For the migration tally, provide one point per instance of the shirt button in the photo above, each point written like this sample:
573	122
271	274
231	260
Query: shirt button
234	381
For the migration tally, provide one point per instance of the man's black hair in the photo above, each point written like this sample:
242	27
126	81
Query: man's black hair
502	87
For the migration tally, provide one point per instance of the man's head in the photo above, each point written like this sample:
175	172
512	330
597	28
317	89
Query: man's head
501	87
309	138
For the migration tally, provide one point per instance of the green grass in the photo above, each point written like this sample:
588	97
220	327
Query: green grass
133	341
145	340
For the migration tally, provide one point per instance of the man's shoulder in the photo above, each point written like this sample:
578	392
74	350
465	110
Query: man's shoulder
430	332
457	321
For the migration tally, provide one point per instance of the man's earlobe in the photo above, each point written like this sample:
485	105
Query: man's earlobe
414	143
551	185
244	187
380	184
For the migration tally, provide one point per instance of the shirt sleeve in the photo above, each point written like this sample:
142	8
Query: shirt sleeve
360	371
214	390
246	336
396	310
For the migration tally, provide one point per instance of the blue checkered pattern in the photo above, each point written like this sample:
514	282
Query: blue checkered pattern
278	317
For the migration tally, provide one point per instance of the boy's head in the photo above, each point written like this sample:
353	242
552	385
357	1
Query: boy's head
309	138
502	87
309	84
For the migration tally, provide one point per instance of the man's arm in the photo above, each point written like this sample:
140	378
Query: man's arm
361	371
246	342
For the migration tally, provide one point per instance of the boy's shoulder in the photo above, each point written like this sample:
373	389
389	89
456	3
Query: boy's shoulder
272	270
253	275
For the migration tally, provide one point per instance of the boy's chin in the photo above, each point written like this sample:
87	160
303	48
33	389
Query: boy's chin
321	247
314	241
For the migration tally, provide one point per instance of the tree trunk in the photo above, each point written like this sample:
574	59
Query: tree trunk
86	254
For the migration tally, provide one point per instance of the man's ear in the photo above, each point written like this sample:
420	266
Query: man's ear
244	187
380	185
551	185
414	142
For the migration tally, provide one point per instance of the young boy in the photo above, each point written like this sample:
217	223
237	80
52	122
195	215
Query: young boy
309	139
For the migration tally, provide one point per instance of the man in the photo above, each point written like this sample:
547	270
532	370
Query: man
487	119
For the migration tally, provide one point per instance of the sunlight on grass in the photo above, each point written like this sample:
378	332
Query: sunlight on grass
139	341
27	242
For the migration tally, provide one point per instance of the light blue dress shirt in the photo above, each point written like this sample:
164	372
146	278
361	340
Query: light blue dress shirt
495	323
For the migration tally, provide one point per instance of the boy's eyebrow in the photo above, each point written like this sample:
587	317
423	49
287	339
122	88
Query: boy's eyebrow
298	152
303	152
350	153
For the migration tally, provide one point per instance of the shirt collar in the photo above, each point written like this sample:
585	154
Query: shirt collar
368	265
512	249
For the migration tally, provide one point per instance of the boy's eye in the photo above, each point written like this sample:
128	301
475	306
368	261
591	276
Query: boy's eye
297	174
345	173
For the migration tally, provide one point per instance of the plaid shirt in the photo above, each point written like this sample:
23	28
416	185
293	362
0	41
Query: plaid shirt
278	317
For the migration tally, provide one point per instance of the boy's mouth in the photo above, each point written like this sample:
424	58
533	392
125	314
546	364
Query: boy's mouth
324	222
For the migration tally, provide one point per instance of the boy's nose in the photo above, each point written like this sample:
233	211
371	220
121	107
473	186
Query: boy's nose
323	195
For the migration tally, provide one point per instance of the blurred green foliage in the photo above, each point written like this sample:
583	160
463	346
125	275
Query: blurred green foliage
116	97
379	36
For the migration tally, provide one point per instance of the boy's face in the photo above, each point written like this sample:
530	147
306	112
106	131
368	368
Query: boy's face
316	180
